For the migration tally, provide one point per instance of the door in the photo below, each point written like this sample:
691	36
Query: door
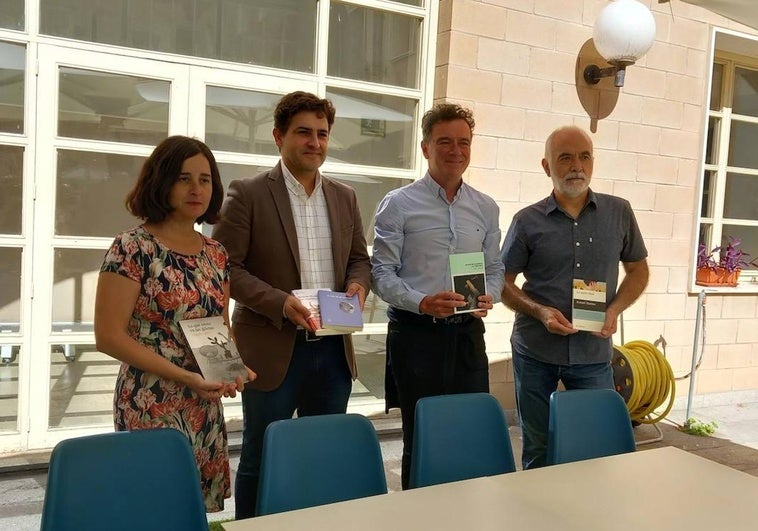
99	115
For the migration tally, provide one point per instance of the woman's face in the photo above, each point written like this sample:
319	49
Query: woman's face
191	193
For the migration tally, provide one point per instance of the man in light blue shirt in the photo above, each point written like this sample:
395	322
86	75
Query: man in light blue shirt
430	349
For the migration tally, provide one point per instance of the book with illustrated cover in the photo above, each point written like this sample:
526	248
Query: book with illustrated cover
468	279
588	305
340	312
309	299
215	351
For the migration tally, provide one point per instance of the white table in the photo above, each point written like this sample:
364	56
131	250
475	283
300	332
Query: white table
664	488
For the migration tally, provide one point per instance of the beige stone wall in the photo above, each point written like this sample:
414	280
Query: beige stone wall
512	62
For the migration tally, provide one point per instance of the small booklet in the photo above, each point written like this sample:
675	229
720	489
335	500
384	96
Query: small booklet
588	305
215	352
340	312
468	279
309	299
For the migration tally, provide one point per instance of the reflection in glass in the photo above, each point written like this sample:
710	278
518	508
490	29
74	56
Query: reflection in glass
369	190
372	129
240	120
709	193
9	360
740	197
12	14
280	34
82	381
90	192
10	290
75	280
383	47
12	68
742	141
370	357
716	88
745	92
11	184
712	141
115	107
749	237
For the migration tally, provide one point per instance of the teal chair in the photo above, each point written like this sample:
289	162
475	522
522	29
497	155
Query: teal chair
145	479
459	437
588	423
311	461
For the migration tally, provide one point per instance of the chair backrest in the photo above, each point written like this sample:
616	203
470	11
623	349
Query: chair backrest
145	479
588	423
458	437
316	460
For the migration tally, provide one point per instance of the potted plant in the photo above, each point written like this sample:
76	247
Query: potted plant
726	270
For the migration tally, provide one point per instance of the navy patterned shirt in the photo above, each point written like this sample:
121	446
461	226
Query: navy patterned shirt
550	248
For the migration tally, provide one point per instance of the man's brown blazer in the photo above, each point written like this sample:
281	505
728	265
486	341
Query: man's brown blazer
258	231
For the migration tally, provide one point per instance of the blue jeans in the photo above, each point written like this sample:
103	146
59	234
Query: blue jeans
535	382
318	382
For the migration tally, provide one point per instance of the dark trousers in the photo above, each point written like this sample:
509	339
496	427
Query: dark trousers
433	357
318	382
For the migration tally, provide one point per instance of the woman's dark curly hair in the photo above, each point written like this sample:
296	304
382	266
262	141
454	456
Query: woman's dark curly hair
149	199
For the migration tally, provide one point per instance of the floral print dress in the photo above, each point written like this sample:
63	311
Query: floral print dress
173	287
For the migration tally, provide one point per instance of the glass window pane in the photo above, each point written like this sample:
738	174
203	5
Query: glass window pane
742	141
75	279
712	143
115	107
716	86
709	193
745	92
12	68
740	197
12	14
370	357
369	190
9	378
383	46
11	183
280	34
372	129
90	192
240	120
10	290
410	2
749	237
82	381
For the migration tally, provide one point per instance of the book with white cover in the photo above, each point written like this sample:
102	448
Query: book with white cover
588	305
309	299
214	349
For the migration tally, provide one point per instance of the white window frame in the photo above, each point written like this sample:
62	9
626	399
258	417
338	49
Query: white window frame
725	56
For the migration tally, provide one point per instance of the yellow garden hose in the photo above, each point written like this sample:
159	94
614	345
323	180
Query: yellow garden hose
644	378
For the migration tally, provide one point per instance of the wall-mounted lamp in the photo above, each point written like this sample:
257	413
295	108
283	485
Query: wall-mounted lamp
624	31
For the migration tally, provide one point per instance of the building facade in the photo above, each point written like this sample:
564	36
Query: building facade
87	88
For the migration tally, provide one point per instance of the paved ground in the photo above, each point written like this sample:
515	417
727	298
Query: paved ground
735	444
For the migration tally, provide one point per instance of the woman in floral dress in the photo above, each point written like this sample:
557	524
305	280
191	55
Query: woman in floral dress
153	276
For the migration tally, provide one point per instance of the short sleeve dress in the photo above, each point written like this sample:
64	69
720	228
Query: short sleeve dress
173	287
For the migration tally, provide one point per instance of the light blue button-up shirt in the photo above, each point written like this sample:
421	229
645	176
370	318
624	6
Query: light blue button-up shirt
415	232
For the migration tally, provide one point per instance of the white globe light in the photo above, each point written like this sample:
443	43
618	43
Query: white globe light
624	31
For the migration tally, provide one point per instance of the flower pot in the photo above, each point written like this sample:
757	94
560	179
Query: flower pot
716	277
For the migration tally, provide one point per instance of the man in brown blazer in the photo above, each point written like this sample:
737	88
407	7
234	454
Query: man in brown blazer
290	228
